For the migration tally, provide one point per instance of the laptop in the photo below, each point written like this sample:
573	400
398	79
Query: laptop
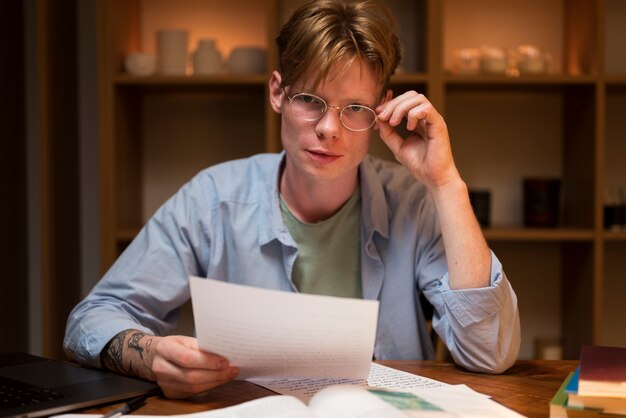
32	386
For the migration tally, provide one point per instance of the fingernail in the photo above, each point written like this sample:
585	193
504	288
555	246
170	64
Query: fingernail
233	372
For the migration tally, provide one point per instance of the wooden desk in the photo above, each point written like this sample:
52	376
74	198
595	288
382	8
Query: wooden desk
526	388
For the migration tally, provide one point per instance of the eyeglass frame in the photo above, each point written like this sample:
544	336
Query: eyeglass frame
340	109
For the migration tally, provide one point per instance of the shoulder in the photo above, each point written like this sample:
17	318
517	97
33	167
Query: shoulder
240	179
255	164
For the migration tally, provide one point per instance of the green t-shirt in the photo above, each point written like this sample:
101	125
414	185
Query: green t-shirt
329	252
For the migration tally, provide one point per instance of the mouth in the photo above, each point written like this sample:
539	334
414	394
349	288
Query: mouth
322	156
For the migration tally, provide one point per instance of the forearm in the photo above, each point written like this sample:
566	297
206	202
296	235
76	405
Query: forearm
130	352
481	327
467	253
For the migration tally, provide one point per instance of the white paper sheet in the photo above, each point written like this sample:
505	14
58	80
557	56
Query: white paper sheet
380	377
271	334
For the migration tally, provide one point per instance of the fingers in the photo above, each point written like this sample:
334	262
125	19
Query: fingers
411	105
425	151
182	370
414	106
178	382
184	352
389	135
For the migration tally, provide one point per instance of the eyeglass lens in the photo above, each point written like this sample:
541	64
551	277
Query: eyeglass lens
354	117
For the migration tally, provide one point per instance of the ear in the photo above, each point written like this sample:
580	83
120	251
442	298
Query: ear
388	96
276	92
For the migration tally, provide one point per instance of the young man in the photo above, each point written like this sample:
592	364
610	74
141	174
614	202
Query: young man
321	217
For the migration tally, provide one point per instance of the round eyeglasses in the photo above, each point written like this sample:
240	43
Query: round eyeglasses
310	107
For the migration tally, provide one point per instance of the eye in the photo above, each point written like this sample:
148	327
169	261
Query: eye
355	108
308	99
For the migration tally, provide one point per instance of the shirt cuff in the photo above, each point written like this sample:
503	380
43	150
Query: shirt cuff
470	306
95	341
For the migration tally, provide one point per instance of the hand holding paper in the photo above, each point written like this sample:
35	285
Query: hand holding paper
274	334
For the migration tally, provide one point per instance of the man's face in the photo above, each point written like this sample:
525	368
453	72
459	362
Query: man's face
324	149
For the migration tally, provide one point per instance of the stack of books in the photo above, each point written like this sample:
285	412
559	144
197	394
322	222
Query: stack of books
597	388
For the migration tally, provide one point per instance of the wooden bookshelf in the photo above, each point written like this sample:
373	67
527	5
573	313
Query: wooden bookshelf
564	124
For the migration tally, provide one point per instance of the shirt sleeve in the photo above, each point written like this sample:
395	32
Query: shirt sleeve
148	283
481	326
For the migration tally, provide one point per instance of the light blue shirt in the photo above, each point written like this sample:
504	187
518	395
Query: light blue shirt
226	224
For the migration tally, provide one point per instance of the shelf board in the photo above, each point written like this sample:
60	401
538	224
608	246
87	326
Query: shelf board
491	234
409	78
616	80
192	80
538	234
401	78
614	235
524	80
230	80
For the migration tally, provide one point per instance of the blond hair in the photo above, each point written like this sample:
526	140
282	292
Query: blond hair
324	32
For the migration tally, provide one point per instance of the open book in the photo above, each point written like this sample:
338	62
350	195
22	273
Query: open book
344	401
335	401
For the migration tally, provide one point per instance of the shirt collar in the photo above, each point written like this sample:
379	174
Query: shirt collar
373	207
275	227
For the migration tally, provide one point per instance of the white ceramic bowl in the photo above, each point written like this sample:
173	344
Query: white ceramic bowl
139	63
247	60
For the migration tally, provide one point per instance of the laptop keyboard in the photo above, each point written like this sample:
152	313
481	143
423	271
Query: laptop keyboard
15	394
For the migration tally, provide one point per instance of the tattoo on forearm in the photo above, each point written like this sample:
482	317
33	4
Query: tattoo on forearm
111	356
122	357
131	371
133	343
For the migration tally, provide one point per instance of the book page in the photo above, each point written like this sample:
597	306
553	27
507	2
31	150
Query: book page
267	407
353	402
462	401
439	401
271	334
380	377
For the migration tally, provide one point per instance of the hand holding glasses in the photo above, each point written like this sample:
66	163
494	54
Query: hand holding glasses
310	107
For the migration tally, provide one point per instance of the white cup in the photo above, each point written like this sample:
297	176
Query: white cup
172	51
493	60
466	61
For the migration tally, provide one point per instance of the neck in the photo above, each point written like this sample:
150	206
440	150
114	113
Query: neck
314	200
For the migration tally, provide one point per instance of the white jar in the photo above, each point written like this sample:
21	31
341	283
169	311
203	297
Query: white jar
493	60
207	59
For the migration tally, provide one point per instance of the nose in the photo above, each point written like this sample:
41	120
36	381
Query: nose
329	125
